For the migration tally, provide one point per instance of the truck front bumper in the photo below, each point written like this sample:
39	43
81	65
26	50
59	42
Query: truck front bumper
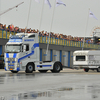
10	69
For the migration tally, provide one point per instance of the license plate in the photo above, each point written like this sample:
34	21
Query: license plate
11	69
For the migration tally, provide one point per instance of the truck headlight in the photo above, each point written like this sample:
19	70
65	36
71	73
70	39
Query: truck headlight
18	65
6	59
16	59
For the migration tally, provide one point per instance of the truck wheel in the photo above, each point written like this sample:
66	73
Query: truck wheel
86	70
29	68
56	67
98	69
43	71
14	71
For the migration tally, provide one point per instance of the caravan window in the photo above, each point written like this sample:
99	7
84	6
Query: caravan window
80	58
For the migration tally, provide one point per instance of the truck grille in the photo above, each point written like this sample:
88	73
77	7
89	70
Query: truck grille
11	66
11	62
11	59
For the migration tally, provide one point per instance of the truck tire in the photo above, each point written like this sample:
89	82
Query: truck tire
43	71
56	67
86	69
1	66
98	69
14	71
29	68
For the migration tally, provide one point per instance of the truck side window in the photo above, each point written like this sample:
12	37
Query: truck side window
27	47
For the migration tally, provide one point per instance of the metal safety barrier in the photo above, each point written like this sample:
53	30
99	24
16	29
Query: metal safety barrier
43	39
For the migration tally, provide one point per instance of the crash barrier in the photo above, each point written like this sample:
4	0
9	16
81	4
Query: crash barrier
5	34
64	42
44	39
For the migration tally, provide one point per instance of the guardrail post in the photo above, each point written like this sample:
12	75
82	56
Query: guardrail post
80	43
2	33
57	41
68	42
45	39
50	40
6	34
42	39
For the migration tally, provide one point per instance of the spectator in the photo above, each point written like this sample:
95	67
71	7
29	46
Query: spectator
4	27
1	26
16	29
42	33
12	28
23	30
9	27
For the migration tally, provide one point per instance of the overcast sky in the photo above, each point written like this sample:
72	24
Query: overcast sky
69	20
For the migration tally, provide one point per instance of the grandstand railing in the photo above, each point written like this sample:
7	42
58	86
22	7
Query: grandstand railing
56	41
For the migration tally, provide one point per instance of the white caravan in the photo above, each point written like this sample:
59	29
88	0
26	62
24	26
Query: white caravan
87	59
22	53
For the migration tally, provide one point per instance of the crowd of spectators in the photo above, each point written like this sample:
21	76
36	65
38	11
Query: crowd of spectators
16	29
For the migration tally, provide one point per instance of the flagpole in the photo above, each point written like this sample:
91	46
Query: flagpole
0	10
28	16
86	29
50	28
41	15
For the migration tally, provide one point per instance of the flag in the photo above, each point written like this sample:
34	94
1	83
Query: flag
47	2
37	1
92	15
59	2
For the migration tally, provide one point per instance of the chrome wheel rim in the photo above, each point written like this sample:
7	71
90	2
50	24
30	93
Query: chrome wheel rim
57	67
30	67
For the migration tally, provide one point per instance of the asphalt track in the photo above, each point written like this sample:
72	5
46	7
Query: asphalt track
69	84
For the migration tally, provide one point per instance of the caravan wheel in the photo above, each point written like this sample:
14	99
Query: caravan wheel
98	69
86	70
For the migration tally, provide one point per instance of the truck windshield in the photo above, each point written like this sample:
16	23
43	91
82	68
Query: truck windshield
80	58
15	48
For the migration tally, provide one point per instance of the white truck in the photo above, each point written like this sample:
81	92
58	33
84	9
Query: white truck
87	59
22	54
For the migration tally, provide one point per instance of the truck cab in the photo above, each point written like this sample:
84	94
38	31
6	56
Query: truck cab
22	54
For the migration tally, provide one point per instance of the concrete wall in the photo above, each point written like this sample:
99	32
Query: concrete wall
64	49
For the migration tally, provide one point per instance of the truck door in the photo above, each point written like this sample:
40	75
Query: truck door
26	50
